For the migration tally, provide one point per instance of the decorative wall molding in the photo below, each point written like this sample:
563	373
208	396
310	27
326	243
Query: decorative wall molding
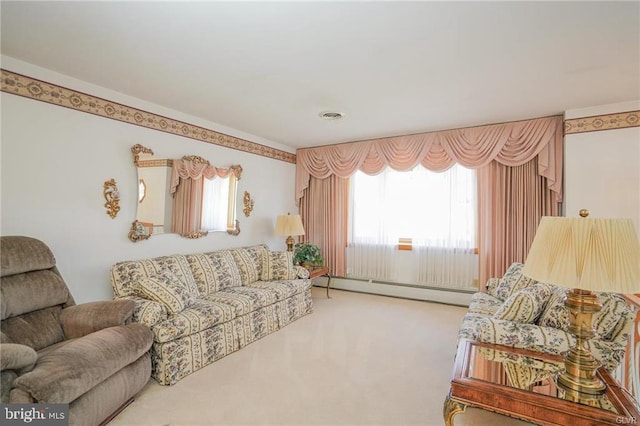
602	122
164	162
39	90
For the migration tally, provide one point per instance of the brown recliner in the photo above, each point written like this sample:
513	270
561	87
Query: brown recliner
54	351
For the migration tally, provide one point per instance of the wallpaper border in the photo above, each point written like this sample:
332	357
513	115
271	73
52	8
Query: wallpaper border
43	91
596	123
164	162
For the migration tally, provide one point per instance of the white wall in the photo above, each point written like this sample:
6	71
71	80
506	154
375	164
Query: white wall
602	169
55	162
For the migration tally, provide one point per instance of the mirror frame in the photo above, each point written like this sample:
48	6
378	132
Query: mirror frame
140	231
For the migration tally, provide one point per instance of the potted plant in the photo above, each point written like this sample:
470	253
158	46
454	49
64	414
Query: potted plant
307	255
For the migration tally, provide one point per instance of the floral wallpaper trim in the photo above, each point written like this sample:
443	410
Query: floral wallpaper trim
32	88
602	122
164	162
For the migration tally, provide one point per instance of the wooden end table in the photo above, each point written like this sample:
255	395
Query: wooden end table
521	384
320	271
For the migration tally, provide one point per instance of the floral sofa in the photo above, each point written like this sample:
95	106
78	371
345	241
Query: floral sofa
202	307
520	312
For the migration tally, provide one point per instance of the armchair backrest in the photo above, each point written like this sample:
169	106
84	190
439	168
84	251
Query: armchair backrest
33	293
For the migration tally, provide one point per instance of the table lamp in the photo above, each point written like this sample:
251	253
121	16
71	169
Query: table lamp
584	255
289	225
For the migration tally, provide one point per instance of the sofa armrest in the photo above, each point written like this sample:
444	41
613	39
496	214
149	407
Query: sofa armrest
525	336
80	320
301	272
17	357
148	312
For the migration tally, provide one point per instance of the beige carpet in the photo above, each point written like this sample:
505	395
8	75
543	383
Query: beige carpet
356	360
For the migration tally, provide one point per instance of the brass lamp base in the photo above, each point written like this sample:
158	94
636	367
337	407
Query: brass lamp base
579	381
290	242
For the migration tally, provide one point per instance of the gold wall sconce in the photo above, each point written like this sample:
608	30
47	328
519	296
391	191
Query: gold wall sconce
248	204
112	198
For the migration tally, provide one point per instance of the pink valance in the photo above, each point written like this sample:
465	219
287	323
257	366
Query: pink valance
511	144
195	167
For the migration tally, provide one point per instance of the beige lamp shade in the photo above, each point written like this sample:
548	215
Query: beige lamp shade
289	225
585	253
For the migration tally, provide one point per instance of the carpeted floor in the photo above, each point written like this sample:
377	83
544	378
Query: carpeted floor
356	360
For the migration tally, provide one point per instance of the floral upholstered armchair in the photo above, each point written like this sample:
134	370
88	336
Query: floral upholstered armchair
520	312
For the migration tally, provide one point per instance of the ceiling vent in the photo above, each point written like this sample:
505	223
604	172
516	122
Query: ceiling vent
329	115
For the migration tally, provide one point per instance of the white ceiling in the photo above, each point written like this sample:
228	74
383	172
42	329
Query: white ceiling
392	68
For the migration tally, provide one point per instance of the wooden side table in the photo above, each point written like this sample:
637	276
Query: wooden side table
522	384
320	271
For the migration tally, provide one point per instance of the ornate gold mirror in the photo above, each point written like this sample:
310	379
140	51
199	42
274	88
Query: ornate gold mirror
187	196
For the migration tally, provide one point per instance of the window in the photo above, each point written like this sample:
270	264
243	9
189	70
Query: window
432	208
217	206
436	210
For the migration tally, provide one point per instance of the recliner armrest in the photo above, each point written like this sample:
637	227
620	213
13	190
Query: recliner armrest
17	357
63	374
80	320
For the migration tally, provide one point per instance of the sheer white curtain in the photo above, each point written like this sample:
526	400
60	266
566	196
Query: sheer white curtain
436	210
444	249
215	196
371	245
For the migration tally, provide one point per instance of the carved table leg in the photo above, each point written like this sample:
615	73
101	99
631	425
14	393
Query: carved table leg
450	409
328	286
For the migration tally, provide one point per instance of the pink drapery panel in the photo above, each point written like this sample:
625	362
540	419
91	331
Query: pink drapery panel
187	168
324	212
187	206
511	202
510	144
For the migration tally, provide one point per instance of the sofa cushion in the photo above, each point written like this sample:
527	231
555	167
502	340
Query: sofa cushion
283	289
525	305
166	288
125	274
244	299
605	321
622	331
214	271
249	262
512	281
201	315
278	265
555	314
